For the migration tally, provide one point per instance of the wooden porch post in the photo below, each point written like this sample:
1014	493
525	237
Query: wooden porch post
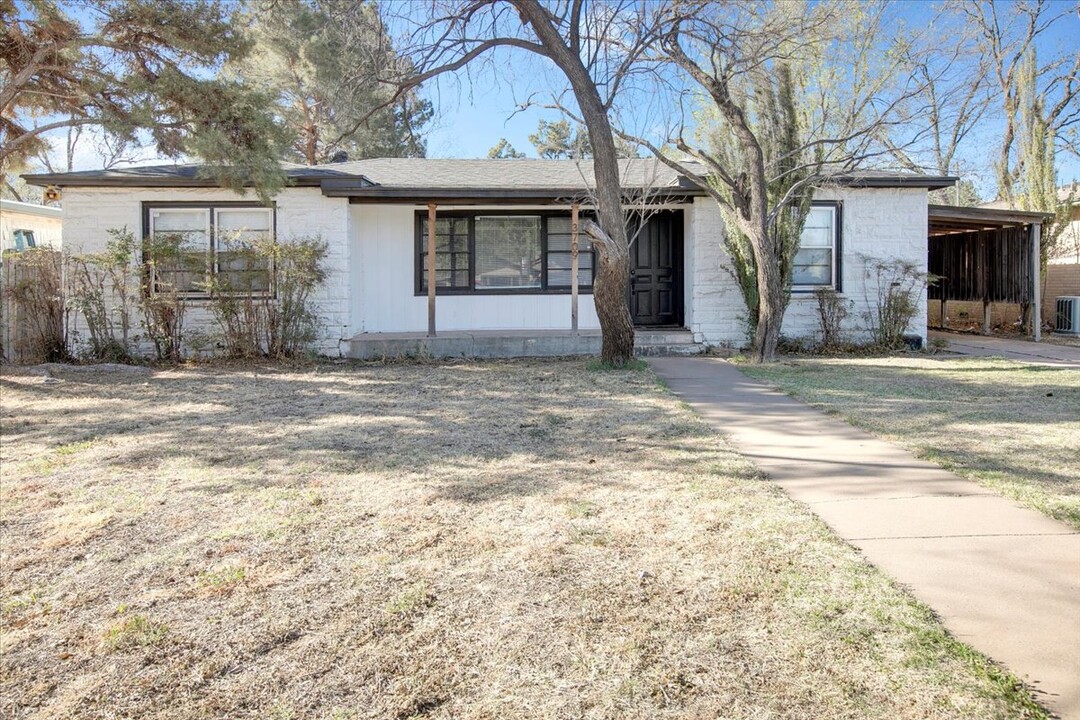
431	269
1036	268
574	267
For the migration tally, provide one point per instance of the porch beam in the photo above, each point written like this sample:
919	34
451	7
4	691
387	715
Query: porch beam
574	267
431	269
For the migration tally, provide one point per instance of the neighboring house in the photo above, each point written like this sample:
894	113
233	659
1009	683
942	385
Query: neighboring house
503	234
26	225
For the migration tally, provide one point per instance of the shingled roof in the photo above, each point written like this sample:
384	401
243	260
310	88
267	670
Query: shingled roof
415	179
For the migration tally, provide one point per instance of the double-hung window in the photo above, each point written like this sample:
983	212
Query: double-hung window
190	248
816	262
491	252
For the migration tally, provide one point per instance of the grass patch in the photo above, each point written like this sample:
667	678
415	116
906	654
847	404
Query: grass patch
1009	426
135	632
633	365
468	540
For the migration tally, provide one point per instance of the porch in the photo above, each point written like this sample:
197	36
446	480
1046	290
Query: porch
512	343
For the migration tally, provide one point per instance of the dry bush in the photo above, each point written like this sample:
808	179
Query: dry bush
33	301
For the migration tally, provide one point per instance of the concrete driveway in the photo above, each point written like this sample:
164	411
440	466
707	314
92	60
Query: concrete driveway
1041	353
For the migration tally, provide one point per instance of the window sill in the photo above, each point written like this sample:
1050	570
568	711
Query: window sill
441	292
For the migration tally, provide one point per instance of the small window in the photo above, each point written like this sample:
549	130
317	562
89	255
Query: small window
187	247
815	261
24	240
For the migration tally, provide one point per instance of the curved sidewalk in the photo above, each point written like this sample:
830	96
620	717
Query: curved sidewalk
1004	579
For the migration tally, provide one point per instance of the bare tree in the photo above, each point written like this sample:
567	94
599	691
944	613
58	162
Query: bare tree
571	36
793	100
1008	35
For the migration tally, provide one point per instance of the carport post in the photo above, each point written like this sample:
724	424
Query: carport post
1036	269
431	269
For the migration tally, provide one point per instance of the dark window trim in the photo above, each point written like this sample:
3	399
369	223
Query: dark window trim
149	206
420	249
838	252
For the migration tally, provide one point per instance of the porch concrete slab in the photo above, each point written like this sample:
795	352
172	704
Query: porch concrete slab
1004	579
1035	353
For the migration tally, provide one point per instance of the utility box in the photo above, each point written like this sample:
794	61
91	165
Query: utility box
1067	317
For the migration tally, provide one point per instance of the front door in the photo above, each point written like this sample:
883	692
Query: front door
656	271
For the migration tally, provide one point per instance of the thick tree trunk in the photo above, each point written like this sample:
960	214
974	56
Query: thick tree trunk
771	304
613	273
609	297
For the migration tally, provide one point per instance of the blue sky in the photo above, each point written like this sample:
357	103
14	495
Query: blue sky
475	110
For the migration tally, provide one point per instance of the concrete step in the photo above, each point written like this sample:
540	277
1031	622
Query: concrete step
661	342
663	337
667	350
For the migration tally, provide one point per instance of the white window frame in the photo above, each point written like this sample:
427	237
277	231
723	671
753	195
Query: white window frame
834	248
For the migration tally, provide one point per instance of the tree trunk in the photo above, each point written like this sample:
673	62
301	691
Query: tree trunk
609	297
771	304
613	274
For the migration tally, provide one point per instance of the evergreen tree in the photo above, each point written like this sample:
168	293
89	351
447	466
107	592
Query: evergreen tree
135	68
503	150
321	61
559	141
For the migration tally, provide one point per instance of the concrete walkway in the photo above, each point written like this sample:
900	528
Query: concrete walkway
1041	353
1004	579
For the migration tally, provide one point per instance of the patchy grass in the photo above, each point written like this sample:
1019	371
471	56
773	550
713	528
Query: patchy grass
514	539
1010	426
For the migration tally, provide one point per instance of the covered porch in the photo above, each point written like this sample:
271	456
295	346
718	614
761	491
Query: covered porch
981	258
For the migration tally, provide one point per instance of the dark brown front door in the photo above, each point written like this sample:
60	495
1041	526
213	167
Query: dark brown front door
656	271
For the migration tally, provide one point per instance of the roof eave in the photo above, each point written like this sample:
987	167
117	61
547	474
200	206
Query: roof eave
367	193
930	182
66	180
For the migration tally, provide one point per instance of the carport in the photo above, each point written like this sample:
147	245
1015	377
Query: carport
987	256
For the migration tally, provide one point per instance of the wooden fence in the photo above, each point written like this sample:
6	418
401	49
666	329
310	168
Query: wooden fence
32	306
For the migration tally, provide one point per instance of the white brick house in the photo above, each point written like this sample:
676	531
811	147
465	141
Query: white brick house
502	258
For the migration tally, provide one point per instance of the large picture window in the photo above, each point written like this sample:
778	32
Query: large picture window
189	247
491	252
816	260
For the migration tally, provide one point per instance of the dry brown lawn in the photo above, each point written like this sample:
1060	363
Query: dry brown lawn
491	540
1011	426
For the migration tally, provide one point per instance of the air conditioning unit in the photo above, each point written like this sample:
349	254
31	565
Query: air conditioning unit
1067	318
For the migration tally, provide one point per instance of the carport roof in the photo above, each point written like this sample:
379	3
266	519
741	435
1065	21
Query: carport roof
950	219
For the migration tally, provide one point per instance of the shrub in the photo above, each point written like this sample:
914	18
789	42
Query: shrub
832	311
33	296
898	284
104	288
263	301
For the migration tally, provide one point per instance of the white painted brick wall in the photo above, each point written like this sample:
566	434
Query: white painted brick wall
879	223
301	212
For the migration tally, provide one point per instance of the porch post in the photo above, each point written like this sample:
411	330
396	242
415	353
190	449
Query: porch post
574	267
1036	294
431	269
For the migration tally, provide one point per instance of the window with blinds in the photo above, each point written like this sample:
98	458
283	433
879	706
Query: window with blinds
487	252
